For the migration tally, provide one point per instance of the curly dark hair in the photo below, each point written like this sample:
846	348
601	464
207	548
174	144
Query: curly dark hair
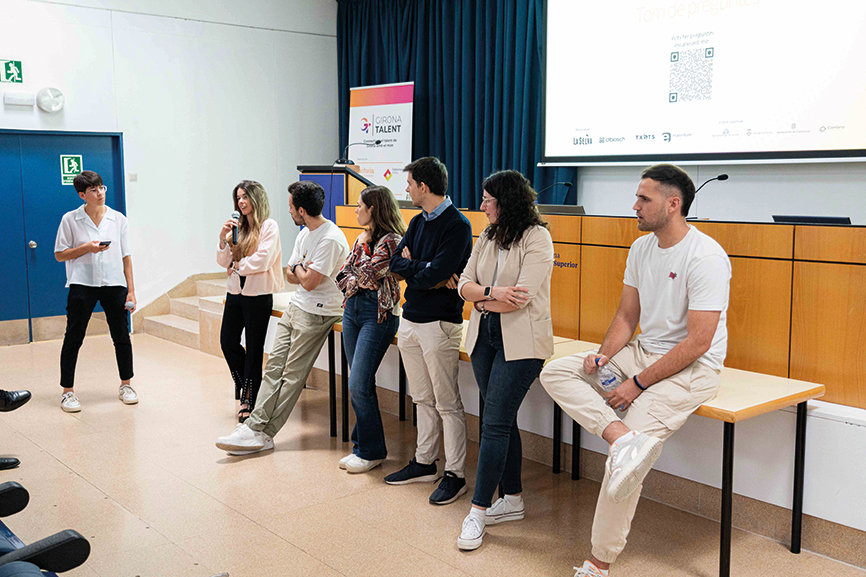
517	209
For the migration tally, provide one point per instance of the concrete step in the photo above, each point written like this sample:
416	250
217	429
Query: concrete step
210	288
212	304
173	328
186	307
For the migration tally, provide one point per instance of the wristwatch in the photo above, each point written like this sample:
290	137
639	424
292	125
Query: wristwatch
487	294
293	267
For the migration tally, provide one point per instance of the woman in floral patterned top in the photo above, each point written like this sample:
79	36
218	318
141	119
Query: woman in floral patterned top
370	319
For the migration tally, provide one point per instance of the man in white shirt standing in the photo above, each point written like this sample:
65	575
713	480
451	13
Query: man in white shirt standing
93	241
676	286
317	304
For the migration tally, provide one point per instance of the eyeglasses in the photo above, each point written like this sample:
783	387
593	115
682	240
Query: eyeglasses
487	200
102	188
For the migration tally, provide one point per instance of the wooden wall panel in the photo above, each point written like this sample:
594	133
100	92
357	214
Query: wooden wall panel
351	234
354	188
565	291
759	315
345	216
828	333
564	228
409	213
601	272
609	231
477	219
742	239
830	243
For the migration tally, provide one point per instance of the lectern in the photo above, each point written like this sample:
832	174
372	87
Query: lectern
342	185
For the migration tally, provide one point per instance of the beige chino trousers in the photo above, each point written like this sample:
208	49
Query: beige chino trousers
658	411
297	343
431	353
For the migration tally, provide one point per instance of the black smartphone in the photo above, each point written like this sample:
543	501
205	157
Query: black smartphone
104	242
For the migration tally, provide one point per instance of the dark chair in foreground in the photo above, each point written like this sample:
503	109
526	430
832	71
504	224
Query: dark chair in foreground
58	553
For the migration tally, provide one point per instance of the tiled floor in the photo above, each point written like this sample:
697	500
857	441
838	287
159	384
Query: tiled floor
147	487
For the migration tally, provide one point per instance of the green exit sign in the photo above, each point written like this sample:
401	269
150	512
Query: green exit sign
10	71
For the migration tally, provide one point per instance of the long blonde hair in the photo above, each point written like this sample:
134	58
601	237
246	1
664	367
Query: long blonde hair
251	226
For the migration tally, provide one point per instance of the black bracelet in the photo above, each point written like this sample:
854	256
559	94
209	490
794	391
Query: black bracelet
641	387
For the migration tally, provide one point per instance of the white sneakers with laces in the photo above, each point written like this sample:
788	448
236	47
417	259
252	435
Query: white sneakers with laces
358	465
589	570
127	395
472	531
508	508
245	441
345	460
629	462
69	403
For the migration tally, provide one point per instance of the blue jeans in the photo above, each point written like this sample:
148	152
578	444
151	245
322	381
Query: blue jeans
366	342
503	386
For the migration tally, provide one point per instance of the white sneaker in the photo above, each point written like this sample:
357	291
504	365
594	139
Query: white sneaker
588	570
629	463
471	534
358	465
69	403
127	394
244	441
503	510
345	460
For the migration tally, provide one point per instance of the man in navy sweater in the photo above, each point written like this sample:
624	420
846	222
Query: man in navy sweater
431	257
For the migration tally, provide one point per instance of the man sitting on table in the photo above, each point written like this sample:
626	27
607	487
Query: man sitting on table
317	304
676	285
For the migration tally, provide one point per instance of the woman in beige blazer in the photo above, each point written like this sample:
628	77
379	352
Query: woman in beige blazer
509	337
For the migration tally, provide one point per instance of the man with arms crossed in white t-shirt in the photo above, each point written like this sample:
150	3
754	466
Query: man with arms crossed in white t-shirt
676	286
319	253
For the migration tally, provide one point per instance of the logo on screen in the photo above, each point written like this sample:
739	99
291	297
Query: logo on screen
666	136
366	125
388	174
644	136
582	140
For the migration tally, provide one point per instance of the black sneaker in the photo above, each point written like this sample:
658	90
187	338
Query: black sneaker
449	489
414	472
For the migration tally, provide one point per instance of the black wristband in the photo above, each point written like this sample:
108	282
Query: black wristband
640	386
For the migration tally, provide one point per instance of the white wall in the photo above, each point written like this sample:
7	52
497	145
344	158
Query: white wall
753	193
201	106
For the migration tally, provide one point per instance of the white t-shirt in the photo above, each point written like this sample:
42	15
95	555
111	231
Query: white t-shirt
325	249
94	268
694	274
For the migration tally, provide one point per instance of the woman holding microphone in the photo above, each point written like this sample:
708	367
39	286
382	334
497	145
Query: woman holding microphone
509	337
370	319
254	274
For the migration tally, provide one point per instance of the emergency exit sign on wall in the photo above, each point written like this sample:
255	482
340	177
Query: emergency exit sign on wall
71	166
10	71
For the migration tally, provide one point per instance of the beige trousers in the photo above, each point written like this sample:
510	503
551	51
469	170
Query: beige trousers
658	411
431	352
297	343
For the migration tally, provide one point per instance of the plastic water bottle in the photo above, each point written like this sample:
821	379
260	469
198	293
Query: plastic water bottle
606	378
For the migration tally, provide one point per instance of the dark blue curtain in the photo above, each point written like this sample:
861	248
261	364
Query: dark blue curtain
477	68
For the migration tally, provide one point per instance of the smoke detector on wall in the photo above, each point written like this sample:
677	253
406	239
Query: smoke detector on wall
50	100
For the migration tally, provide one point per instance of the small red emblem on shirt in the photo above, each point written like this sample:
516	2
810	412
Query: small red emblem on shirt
673	275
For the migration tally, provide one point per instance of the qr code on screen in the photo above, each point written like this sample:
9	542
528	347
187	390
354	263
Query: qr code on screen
691	75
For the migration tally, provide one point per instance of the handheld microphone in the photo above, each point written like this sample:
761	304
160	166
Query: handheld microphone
565	184
129	305
719	177
345	159
235	215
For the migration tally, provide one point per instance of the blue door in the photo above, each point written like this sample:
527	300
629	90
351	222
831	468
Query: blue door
44	201
14	306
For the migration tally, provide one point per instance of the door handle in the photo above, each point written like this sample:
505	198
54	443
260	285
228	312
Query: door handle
32	244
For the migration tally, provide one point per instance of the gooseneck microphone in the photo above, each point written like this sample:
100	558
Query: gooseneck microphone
346	159
235	215
565	184
719	177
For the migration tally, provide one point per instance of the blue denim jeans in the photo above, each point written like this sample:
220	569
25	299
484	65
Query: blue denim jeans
503	386
366	342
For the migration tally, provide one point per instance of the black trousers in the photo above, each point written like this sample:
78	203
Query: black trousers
79	307
251	314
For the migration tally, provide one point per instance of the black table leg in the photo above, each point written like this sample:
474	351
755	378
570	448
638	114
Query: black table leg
727	500
557	438
401	410
332	384
344	401
799	473
575	451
